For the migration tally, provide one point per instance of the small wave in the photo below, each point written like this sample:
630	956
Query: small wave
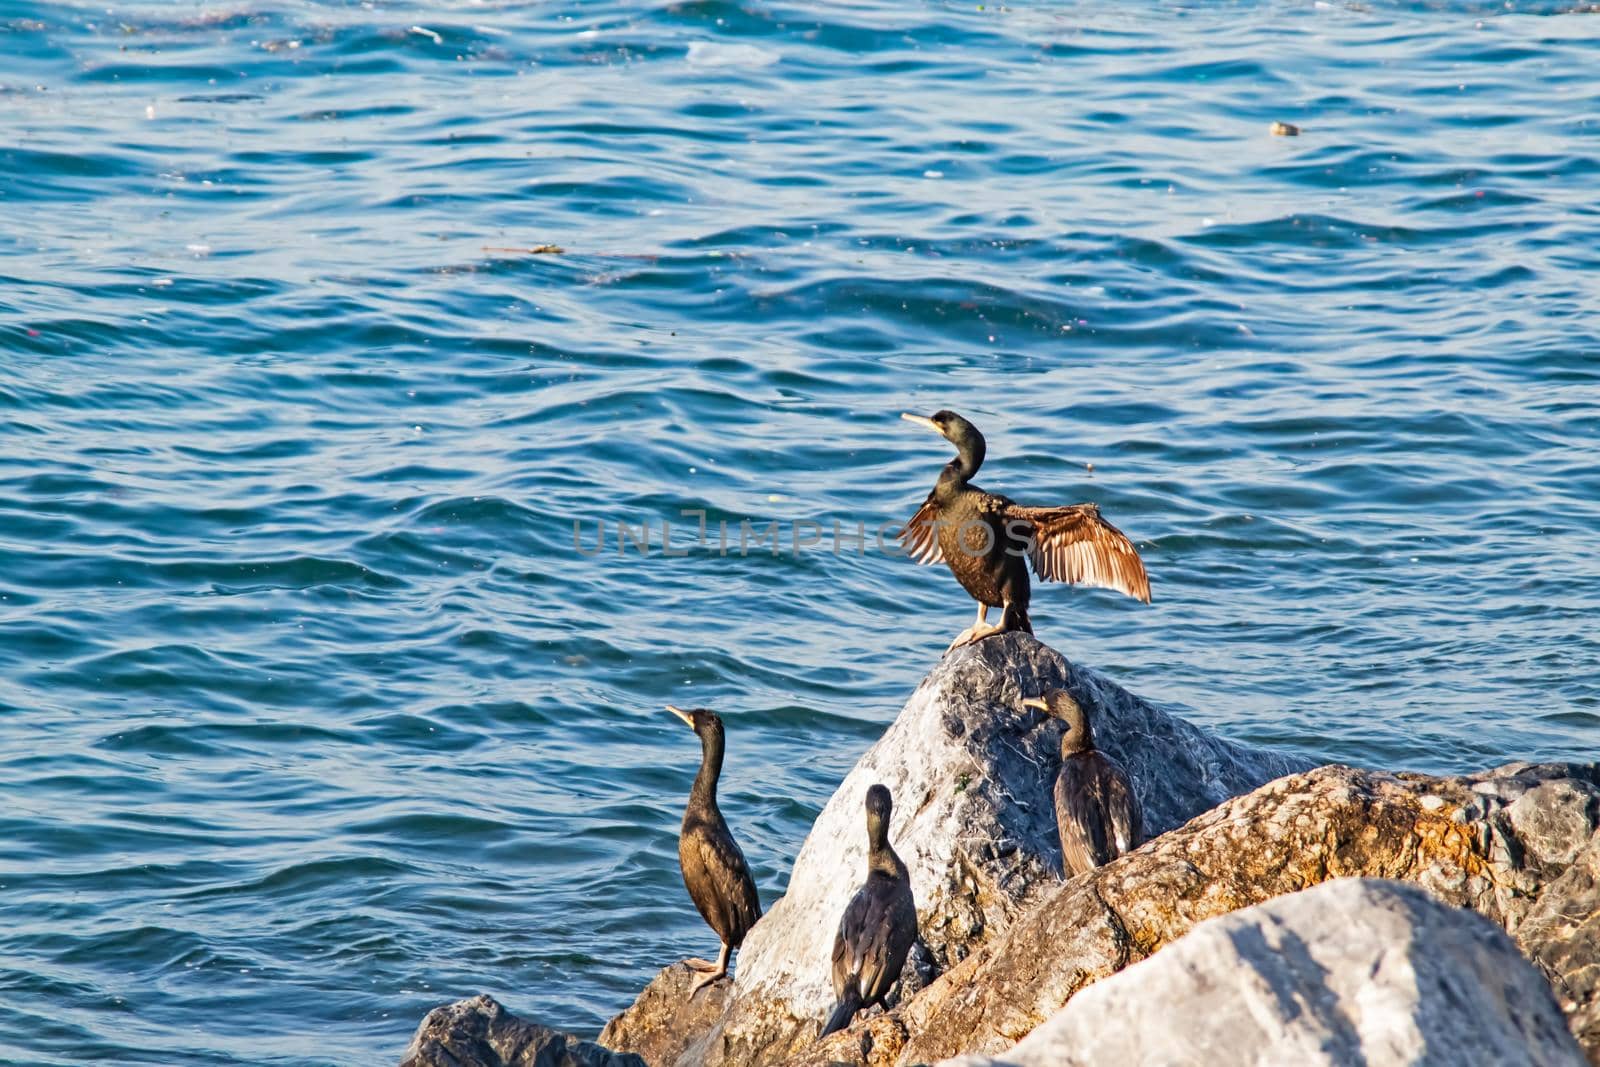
717	54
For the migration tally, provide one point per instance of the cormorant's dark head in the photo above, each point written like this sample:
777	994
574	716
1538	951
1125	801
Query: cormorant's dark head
1062	705
702	721
879	802
947	424
879	805
970	446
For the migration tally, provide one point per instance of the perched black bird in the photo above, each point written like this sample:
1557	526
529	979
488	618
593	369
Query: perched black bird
879	924
714	870
1097	812
985	538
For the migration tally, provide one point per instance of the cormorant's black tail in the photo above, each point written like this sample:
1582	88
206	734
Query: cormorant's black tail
1016	618
845	1010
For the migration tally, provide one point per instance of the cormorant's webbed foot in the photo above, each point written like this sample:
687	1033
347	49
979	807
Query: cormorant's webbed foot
976	632
695	963
973	634
718	971
710	979
961	638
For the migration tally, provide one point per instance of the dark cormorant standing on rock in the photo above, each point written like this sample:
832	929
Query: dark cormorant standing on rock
879	924
985	537
714	870
1097	811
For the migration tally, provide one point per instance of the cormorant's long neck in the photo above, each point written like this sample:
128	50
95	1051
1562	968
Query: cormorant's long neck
1078	738
970	449
704	792
880	856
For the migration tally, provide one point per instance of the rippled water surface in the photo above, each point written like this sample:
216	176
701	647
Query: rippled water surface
313	715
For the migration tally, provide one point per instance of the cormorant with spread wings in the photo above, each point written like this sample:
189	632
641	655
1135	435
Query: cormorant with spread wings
988	540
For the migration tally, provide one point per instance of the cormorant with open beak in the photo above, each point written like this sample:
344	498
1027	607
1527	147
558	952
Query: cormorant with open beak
988	540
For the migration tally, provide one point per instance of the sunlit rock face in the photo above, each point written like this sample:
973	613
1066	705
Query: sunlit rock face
1516	844
1355	971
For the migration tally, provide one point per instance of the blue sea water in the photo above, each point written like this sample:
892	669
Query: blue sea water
314	714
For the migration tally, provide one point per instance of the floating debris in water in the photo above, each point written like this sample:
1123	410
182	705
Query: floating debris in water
423	31
536	250
1285	129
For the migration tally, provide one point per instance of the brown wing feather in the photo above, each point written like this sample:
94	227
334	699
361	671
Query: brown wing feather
1074	544
921	535
1122	808
1097	812
842	963
719	882
875	936
1080	820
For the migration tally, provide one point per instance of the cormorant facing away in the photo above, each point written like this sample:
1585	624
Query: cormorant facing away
714	870
1097	812
985	537
879	924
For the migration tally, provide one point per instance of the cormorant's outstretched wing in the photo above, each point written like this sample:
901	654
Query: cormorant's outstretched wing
921	535
1074	544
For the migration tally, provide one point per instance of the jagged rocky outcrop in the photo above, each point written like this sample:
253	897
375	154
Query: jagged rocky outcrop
1009	945
1353	971
1516	844
971	775
478	1032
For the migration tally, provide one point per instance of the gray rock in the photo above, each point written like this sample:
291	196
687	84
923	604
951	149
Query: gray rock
480	1033
971	777
1351	972
656	1024
1561	932
1456	837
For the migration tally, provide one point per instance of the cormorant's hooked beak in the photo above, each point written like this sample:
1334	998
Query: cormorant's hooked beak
684	715
923	420
1037	702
